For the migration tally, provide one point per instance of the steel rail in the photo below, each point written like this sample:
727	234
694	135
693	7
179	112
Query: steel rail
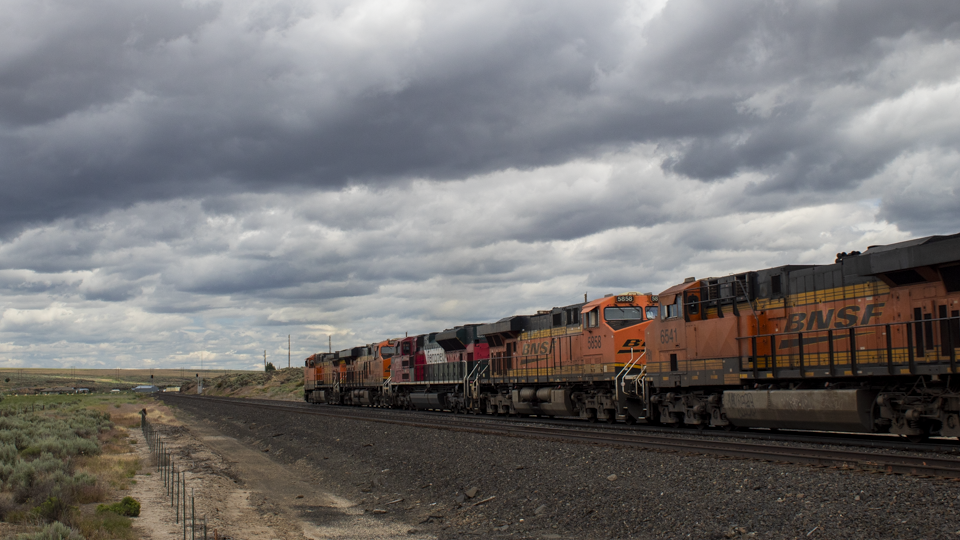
822	457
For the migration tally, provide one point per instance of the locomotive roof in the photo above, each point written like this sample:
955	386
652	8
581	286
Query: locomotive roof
929	251
901	263
457	338
910	243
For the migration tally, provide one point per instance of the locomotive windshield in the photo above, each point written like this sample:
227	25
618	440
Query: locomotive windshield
627	313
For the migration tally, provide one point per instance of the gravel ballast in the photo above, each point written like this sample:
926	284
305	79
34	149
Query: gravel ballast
456	485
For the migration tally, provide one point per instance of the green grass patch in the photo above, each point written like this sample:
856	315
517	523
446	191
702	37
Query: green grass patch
128	506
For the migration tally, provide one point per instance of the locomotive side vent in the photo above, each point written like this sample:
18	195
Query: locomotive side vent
905	277
951	278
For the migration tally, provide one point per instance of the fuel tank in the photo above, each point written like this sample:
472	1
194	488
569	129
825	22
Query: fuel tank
828	410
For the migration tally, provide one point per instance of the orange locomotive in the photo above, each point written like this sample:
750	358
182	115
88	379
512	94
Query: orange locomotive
866	344
579	360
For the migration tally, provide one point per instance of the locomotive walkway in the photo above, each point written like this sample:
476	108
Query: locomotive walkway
676	441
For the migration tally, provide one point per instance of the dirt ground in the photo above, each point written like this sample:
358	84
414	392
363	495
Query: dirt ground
242	493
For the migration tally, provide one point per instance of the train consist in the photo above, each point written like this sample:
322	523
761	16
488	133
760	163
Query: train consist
867	344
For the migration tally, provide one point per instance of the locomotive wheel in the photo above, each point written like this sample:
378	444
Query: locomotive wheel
630	420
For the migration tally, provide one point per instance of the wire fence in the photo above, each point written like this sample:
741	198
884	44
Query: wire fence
175	483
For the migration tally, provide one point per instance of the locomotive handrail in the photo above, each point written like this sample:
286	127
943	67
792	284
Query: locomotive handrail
620	381
749	302
466	379
919	340
858	326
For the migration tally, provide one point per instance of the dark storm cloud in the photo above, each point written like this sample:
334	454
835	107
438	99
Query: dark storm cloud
116	103
213	176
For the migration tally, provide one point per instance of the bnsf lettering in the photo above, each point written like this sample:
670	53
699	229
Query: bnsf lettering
537	348
848	314
818	322
631	343
845	318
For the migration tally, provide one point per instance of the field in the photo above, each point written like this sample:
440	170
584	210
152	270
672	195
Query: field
21	381
65	461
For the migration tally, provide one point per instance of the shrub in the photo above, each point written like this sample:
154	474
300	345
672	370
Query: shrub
53	509
63	447
47	463
5	472
22	476
7	505
8	453
128	506
53	531
83	488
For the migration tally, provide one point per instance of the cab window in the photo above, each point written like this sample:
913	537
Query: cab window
652	312
626	313
593	318
673	310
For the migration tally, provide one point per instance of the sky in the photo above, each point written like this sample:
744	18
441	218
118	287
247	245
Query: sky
195	181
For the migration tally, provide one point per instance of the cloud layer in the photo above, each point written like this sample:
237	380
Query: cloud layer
212	176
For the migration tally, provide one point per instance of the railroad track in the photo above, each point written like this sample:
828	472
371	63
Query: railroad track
676	441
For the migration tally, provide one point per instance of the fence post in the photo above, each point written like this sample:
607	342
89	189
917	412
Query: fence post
183	490
175	483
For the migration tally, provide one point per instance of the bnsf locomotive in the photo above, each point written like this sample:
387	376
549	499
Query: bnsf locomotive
866	344
574	360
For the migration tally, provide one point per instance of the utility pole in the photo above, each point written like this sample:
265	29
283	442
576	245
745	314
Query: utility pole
329	344
264	360
288	350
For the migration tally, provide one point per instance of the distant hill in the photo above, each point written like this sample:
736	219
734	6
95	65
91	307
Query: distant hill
283	384
36	380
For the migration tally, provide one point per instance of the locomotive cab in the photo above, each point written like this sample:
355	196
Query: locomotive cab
613	329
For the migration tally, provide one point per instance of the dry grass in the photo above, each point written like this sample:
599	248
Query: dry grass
115	466
283	384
